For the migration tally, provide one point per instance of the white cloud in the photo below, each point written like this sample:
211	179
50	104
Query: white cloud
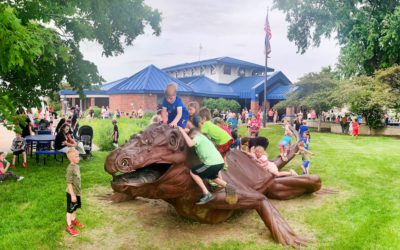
224	28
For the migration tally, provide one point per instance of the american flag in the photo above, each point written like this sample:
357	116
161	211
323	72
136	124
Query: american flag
268	36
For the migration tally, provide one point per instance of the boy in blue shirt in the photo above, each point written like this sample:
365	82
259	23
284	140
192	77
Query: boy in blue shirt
174	112
303	128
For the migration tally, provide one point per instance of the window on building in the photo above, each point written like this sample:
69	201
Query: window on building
184	73
227	70
241	72
257	73
201	70
176	74
192	72
212	70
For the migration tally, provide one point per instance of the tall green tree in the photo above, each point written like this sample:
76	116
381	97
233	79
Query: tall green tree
40	43
314	92
367	31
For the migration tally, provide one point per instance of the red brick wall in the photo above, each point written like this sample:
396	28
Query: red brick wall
124	102
147	101
254	106
186	99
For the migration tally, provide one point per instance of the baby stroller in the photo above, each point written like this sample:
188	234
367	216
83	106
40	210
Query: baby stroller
86	137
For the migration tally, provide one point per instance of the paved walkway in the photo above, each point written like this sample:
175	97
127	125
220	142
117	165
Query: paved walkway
6	138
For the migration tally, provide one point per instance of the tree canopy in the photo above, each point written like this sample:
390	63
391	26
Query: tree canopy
368	96
314	92
40	43
367	31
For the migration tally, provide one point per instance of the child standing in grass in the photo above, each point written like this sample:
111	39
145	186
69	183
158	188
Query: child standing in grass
18	147
306	139
174	112
305	156
355	126
73	177
115	133
212	164
4	173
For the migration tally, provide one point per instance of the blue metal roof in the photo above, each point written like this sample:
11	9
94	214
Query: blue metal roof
204	86
216	61
150	79
102	91
243	85
112	84
280	92
188	79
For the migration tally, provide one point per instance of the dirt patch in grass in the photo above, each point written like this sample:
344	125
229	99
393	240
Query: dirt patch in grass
154	224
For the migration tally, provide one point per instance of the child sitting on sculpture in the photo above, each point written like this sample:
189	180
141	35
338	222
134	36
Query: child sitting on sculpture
174	112
261	159
305	157
284	144
248	142
194	118
219	136
212	164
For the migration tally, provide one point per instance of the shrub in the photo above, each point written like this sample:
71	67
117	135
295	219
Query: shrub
105	133
221	104
97	112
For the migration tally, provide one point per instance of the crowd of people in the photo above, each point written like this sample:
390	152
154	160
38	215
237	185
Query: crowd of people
200	128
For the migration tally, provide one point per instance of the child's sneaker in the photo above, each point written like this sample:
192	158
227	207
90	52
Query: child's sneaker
20	178
12	166
25	165
72	231
284	158
77	223
205	198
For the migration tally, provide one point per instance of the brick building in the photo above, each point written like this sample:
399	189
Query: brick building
219	77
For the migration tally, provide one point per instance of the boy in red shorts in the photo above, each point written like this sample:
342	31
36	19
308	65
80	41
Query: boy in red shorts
73	191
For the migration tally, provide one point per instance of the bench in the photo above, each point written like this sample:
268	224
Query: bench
49	152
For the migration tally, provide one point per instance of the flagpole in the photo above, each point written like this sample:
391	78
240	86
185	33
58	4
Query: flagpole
265	92
265	88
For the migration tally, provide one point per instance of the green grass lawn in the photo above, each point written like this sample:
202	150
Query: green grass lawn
364	214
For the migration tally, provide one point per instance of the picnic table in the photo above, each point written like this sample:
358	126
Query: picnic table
39	139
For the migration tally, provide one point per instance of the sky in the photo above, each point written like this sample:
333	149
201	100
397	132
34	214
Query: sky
231	28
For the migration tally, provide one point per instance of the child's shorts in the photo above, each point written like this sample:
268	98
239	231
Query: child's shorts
207	172
282	146
306	163
71	206
18	152
224	148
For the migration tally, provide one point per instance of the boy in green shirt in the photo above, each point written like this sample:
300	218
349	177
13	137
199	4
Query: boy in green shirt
73	191
212	163
220	137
